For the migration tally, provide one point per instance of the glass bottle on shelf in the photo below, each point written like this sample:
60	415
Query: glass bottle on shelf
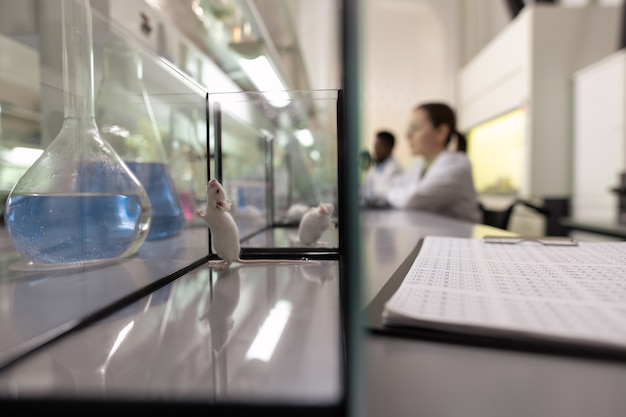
78	203
126	119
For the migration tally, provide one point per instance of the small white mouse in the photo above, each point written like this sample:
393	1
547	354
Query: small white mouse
224	231
315	222
295	212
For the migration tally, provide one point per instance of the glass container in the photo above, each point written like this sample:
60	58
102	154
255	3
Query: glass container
78	203
186	160
126	119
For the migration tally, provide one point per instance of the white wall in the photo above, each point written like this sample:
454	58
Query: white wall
563	42
481	21
410	55
320	42
412	52
19	76
599	154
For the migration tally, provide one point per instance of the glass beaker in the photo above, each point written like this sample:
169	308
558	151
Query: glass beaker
78	202
126	119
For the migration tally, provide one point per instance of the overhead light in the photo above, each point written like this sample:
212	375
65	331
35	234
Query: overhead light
236	34
263	345
247	29
243	34
305	137
281	138
197	8
264	77
23	156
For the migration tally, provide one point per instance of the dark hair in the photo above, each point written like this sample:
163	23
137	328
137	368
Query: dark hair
387	137
440	113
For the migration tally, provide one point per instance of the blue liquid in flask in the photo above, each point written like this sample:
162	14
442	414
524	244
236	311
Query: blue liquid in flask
67	228
167	213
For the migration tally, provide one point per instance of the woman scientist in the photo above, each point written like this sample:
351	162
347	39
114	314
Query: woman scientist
441	181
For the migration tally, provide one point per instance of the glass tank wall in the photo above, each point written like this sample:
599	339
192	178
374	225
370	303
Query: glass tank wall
278	155
277	159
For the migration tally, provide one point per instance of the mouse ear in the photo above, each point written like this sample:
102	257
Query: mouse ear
323	209
226	205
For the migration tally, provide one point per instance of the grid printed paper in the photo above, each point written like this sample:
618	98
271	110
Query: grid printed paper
565	292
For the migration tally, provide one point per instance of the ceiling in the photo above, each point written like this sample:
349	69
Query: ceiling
226	30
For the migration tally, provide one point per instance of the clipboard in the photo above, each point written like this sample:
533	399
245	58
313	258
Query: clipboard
373	313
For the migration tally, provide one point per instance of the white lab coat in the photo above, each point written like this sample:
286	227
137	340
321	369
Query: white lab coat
447	188
378	179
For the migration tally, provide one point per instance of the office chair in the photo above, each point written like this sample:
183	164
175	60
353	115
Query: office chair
500	218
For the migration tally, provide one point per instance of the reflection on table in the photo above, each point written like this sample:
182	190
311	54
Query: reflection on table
247	334
42	304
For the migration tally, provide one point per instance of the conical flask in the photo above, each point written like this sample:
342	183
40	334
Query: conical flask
78	203
126	119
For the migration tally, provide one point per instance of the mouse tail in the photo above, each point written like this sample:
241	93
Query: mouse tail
276	261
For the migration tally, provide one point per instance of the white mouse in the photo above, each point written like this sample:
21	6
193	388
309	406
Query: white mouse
224	231
295	212
315	222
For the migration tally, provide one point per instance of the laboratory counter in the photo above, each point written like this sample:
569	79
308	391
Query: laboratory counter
604	228
162	326
427	377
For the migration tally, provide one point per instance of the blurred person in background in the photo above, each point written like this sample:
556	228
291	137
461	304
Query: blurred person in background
382	172
441	180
